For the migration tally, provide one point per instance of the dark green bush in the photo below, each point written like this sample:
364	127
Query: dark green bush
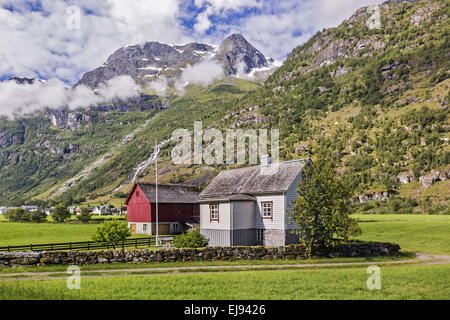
38	216
18	215
61	213
190	239
85	216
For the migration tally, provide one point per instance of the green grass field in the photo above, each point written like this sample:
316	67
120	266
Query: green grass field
407	282
24	233
418	233
414	233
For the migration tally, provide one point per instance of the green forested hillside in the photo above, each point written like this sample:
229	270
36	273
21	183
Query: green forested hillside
377	100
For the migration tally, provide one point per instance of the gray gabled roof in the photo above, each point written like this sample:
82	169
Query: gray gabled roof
228	198
255	180
169	193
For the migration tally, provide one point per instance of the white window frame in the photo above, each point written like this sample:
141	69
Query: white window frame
259	234
214	209
264	208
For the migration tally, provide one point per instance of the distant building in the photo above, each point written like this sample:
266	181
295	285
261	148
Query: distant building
103	209
30	208
4	210
48	211
75	210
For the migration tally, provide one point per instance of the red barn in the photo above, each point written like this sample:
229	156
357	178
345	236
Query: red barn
178	208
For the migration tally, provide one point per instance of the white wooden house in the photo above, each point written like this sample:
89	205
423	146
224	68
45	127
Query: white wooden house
249	206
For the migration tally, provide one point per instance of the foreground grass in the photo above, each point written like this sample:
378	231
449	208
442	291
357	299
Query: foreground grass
406	282
419	233
118	266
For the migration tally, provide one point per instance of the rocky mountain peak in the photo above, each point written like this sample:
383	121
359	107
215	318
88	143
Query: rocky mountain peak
147	61
239	55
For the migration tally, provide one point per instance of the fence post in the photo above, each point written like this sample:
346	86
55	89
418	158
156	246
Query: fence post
52	246
88	245
135	243
31	247
70	246
123	245
9	250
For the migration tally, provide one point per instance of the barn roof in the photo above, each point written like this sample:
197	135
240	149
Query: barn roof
168	193
254	180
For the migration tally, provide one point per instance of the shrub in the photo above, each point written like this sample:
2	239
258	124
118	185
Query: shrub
38	216
18	215
85	216
61	213
113	232
190	239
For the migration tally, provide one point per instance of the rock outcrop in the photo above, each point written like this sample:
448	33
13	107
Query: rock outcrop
434	176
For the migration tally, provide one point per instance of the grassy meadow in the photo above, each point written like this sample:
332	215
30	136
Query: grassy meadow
25	233
406	282
414	233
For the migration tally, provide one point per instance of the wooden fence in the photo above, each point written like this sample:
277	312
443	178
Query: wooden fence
87	245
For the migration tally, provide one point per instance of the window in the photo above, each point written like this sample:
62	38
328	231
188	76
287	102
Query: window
175	227
137	193
214	212
266	210
259	234
144	227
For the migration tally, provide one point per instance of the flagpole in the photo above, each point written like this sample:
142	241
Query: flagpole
156	169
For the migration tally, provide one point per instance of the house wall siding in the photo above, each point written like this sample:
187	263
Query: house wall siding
244	237
291	196
138	208
140	227
217	237
173	212
243	214
278	221
224	217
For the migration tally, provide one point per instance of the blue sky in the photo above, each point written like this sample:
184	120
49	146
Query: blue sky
49	39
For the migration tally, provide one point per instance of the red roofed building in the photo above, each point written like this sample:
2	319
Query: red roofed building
178	208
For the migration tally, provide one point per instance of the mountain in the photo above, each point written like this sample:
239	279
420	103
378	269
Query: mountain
146	62
237	53
376	100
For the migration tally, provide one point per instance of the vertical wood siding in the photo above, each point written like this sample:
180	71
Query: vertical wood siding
217	238
291	196
138	208
243	214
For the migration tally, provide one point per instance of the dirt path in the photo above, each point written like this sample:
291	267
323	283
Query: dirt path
421	259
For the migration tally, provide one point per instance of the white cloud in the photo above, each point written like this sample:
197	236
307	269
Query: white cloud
280	26
219	7
39	44
202	73
26	98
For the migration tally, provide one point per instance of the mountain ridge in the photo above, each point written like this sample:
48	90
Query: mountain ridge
146	61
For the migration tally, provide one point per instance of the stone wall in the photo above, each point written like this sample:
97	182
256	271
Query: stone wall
297	251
